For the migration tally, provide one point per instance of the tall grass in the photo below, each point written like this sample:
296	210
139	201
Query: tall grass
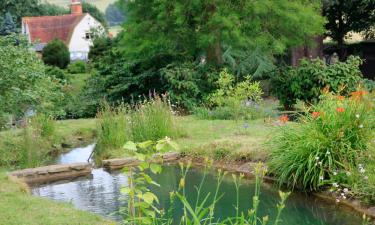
112	129
152	120
326	144
29	146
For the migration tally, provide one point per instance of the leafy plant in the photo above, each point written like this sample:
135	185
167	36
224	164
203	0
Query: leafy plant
56	53
332	137
77	67
307	81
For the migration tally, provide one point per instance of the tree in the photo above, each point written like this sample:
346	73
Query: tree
205	27
8	26
19	9
55	53
114	15
94	12
23	82
48	9
345	16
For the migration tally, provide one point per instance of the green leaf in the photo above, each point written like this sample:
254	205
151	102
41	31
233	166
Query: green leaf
131	146
155	168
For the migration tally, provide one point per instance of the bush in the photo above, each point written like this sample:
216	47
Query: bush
233	101
307	81
330	140
56	53
77	67
56	72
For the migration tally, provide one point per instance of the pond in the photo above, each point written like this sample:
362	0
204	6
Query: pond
101	194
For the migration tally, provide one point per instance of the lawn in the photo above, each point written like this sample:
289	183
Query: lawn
17	207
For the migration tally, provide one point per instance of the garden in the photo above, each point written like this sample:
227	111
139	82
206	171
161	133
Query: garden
192	114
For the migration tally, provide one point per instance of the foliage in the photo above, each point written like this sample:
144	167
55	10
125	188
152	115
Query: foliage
114	15
153	120
369	85
328	141
112	130
307	81
55	53
94	12
143	203
77	67
8	26
24	85
235	101
23	8
141	209
14	40
344	17
56	72
186	30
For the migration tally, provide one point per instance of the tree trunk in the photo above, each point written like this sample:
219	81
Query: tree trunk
214	52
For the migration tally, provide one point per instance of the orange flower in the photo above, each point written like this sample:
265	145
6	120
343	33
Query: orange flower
341	98
284	118
315	114
340	109
358	93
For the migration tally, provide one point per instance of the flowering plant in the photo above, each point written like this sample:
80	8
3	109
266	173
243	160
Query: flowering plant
331	139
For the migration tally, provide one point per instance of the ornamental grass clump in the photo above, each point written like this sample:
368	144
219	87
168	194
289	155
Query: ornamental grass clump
331	138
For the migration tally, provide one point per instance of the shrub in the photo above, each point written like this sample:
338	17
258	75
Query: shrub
307	81
329	140
56	53
77	67
56	72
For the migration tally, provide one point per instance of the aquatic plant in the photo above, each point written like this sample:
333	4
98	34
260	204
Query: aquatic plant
143	204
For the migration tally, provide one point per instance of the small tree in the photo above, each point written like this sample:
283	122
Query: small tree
57	54
8	26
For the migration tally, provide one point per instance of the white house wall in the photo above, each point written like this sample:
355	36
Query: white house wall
79	46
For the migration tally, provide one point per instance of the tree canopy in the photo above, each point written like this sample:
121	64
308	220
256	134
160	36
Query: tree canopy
345	16
190	29
56	53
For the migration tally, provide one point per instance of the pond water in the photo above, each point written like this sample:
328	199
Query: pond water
101	194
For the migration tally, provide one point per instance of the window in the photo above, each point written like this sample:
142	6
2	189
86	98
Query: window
88	36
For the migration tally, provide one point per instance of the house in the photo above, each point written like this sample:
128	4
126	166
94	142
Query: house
74	29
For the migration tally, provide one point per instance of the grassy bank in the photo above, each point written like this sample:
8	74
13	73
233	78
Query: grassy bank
220	139
17	207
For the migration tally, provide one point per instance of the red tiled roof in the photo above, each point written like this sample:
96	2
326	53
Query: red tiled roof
47	28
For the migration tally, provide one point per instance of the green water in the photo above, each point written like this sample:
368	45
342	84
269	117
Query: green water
300	209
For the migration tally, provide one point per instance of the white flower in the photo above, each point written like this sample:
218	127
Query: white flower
361	126
317	158
328	152
366	178
337	200
344	197
348	173
357	115
346	190
321	178
320	163
342	194
335	185
360	165
334	173
361	170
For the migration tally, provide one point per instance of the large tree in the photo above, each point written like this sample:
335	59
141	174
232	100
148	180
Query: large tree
190	29
345	16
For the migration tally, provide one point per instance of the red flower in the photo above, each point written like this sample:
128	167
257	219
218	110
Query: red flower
358	93
341	98
315	114
284	118
340	109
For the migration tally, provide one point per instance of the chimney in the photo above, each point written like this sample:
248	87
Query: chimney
76	7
